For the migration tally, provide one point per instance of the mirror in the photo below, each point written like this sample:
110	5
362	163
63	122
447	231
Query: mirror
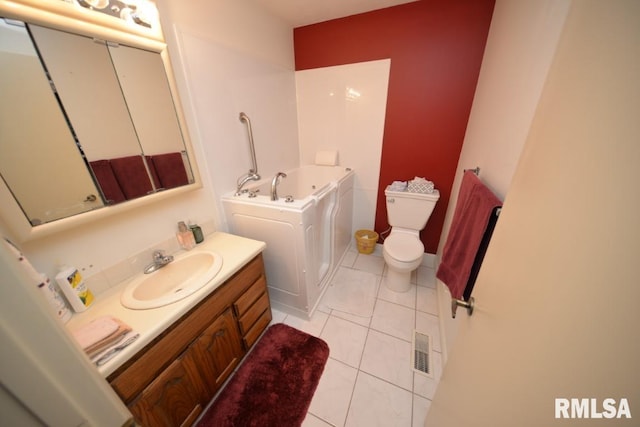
37	161
87	123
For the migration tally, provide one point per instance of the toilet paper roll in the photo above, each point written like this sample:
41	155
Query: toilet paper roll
327	158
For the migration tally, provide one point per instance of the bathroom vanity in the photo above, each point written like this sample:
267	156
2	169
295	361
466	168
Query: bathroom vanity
188	349
177	374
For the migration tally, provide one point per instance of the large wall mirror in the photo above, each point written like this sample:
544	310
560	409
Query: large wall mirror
87	121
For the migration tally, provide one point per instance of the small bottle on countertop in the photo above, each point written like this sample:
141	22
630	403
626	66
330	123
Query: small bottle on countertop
56	300
185	237
74	289
197	232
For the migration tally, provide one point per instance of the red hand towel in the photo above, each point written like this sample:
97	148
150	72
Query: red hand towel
473	211
170	170
107	181
132	176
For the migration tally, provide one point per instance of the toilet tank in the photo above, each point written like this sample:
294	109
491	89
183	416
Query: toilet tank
410	210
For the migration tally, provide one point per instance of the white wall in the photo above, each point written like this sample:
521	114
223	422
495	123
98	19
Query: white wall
520	47
234	57
343	108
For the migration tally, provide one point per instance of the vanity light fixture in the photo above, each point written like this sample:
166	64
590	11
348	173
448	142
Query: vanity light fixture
137	12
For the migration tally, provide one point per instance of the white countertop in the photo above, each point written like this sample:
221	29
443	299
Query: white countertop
236	251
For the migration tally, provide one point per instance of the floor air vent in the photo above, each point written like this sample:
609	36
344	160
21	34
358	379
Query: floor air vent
421	355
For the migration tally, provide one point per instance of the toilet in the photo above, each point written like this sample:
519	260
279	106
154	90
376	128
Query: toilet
407	214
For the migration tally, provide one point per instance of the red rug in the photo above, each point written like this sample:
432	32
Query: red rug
274	385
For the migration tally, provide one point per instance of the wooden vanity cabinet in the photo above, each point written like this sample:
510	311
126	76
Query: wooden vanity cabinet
172	399
217	352
172	380
253	312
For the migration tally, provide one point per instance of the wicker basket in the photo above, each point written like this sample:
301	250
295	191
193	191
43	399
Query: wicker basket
366	241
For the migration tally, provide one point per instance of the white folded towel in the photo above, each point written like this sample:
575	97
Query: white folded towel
398	186
420	185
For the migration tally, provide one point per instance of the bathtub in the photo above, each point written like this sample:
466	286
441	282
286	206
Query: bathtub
307	231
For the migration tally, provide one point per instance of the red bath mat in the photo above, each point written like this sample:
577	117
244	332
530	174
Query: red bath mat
274	385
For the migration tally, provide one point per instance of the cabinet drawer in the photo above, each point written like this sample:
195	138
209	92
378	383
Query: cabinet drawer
254	332
254	312
247	299
247	277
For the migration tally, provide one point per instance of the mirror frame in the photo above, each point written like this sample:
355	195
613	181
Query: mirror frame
74	18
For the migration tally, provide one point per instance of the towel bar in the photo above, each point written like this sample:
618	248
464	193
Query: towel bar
455	303
475	170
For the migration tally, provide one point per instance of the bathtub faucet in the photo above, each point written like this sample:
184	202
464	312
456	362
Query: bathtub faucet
274	185
251	176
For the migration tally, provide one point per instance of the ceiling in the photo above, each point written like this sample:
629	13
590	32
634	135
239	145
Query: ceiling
304	12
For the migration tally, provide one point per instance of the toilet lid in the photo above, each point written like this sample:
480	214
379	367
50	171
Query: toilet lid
403	247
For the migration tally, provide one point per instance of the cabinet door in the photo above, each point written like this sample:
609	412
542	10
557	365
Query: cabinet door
170	400
218	351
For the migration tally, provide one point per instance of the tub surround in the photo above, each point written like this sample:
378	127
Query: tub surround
342	108
236	252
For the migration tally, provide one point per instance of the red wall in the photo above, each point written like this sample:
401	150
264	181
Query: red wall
436	49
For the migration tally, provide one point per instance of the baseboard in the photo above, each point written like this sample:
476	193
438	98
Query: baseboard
429	260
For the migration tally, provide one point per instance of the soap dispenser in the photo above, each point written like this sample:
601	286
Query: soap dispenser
185	237
197	232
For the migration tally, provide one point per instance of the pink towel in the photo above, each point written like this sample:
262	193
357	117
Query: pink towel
473	211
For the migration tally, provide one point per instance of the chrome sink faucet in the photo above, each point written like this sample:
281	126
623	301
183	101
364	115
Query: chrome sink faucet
159	261
274	185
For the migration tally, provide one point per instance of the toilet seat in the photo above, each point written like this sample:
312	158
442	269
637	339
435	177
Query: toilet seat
403	247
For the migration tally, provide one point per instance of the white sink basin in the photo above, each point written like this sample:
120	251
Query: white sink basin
173	282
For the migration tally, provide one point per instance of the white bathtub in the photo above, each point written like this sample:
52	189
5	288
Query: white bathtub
306	237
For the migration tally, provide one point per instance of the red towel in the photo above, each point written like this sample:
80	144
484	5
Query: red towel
107	181
473	211
170	170
132	176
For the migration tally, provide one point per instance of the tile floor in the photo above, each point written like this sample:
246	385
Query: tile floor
368	379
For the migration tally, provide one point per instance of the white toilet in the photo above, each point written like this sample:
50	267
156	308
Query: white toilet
407	214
